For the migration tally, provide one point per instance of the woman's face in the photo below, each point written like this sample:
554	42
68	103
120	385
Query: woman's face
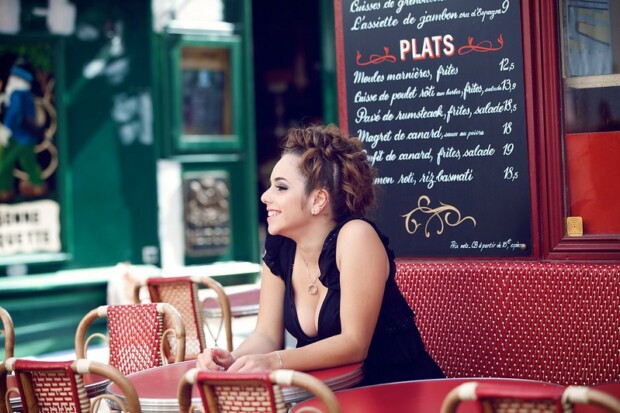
288	206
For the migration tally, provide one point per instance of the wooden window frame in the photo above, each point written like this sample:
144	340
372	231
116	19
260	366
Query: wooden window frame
198	143
542	59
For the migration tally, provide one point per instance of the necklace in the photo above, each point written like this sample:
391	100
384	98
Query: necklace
312	288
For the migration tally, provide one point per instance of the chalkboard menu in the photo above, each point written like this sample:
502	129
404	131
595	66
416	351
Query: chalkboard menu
435	90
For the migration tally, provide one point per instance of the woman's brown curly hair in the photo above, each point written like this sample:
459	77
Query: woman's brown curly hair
337	162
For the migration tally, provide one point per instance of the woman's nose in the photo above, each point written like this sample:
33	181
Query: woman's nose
264	197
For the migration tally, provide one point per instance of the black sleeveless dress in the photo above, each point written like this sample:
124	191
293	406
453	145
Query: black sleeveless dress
396	351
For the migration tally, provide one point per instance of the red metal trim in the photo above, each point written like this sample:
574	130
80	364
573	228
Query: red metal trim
340	72
524	391
529	64
27	364
163	280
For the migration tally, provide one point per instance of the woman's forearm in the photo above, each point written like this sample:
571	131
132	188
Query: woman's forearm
256	343
331	352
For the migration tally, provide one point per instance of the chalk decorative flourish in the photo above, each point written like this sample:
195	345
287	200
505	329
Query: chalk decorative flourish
443	214
482	47
375	59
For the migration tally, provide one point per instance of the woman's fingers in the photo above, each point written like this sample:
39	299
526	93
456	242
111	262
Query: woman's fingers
208	360
218	359
221	357
253	363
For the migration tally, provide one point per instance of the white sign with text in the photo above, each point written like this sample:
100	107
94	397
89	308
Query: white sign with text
29	227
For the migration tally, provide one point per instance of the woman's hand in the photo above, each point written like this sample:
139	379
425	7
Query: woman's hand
255	362
215	359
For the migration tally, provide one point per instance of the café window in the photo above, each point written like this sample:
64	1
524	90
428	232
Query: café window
590	36
206	91
207	80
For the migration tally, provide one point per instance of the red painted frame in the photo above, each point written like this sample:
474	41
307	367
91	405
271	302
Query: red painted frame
548	125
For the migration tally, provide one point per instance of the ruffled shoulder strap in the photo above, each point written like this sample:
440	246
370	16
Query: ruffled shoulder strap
277	255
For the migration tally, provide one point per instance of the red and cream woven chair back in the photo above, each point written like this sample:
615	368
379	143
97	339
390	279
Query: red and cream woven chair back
223	392
7	330
182	293
58	387
137	339
526	398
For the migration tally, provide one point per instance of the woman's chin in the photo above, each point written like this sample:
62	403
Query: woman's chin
272	230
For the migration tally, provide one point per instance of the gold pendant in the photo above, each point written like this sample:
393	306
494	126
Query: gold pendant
312	289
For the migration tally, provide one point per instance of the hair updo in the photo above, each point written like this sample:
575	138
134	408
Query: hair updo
336	162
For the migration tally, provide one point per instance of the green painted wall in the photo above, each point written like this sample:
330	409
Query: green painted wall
106	183
112	183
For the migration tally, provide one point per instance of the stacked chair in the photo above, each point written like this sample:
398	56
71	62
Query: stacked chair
137	339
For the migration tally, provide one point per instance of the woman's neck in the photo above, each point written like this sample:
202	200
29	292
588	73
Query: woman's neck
310	242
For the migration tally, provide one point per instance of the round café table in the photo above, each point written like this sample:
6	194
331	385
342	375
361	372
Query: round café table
157	387
407	396
242	303
426	396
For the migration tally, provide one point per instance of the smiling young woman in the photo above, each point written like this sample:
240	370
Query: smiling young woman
328	273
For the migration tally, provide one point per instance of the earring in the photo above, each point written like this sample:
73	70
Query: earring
314	212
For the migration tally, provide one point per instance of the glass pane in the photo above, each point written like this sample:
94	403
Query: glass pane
588	36
205	88
591	67
203	102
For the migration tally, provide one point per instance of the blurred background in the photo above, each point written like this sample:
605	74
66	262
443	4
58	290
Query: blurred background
156	126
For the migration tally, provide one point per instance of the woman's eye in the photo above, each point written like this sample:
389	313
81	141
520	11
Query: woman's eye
281	188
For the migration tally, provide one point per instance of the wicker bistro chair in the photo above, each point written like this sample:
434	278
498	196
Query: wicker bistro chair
223	392
243	303
8	330
136	337
527	397
57	386
182	293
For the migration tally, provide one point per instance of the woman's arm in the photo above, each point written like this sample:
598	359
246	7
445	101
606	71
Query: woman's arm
268	334
364	268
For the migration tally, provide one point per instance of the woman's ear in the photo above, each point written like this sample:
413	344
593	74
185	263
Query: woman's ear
320	201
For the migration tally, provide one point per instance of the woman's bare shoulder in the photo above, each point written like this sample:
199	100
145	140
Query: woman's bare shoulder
358	234
357	228
360	250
